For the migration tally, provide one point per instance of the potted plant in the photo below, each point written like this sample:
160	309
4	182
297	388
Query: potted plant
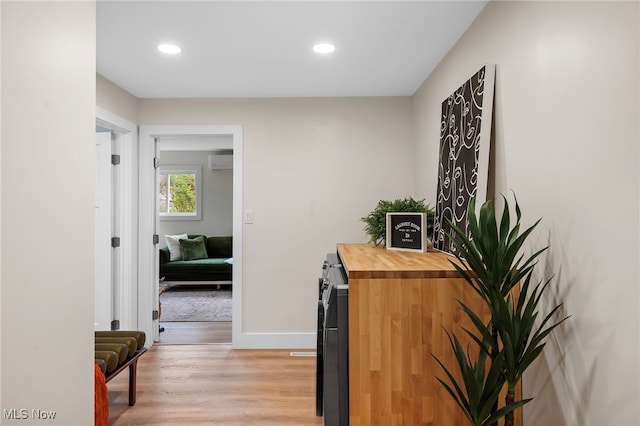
376	220
491	262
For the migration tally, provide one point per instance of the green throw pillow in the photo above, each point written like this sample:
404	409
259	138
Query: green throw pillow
193	249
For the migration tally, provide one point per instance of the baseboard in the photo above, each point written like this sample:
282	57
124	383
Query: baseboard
275	341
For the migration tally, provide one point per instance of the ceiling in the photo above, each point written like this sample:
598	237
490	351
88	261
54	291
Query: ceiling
264	49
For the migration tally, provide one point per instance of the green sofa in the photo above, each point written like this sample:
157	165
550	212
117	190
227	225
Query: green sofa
216	268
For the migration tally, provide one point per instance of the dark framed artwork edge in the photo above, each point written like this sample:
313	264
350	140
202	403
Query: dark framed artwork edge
485	134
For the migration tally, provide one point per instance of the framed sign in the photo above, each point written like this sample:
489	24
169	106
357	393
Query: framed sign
407	231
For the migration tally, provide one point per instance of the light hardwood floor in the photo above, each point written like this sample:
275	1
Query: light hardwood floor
215	385
180	333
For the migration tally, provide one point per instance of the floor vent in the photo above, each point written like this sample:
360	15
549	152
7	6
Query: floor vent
302	354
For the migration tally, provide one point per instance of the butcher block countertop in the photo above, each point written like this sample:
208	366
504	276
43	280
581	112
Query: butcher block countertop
363	261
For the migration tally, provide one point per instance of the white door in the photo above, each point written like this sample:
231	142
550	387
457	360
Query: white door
103	220
124	213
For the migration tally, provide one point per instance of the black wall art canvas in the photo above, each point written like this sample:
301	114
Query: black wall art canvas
463	171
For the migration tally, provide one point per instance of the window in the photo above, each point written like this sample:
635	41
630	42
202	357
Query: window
179	193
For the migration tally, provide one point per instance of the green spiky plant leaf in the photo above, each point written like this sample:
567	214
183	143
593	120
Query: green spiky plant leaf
479	389
491	261
376	220
521	339
492	253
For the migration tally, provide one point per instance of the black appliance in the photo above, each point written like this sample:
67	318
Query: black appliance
332	360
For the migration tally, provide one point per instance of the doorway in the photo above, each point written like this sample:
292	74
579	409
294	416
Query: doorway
195	199
182	138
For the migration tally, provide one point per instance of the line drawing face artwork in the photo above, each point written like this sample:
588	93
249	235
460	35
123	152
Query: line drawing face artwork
465	141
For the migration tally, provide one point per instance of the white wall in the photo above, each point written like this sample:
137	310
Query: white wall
312	169
47	196
566	141
217	198
116	100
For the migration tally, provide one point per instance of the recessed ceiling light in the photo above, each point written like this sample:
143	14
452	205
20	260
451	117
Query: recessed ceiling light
170	49
324	48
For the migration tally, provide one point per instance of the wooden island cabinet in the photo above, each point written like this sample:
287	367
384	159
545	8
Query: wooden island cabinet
400	304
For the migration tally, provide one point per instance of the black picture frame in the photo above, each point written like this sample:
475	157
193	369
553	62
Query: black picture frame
406	231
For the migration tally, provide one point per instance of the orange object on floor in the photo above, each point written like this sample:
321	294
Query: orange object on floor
101	398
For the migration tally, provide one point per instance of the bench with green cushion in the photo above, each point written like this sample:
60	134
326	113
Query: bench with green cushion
106	360
117	350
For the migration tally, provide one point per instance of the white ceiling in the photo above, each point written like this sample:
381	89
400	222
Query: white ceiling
263	49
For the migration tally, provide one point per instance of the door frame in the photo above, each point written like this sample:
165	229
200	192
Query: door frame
127	294
148	251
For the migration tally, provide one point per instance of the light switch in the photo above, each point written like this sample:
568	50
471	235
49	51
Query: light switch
248	216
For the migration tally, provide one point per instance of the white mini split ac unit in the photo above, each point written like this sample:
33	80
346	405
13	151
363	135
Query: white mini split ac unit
220	162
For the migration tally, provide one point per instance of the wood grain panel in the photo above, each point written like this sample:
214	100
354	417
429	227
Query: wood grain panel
396	323
368	261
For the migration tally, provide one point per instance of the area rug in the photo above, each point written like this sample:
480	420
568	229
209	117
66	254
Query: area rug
188	304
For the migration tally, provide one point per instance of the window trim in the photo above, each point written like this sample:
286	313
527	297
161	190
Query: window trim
185	169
